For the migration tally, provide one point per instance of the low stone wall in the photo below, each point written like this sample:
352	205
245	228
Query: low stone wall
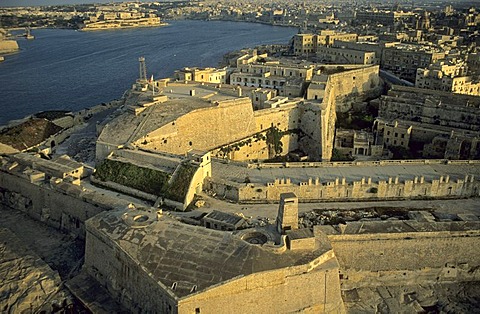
361	163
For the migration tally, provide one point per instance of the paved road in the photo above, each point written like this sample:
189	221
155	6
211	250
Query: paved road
81	144
270	210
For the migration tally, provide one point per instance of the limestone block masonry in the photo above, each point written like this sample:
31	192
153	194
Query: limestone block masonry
406	258
59	204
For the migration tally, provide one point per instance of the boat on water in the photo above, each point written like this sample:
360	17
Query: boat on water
28	33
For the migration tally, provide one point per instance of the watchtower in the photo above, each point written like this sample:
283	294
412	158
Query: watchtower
287	218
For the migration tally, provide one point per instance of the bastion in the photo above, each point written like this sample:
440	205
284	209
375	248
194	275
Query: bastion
152	263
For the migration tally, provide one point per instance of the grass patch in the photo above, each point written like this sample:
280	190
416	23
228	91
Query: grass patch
143	179
178	188
29	133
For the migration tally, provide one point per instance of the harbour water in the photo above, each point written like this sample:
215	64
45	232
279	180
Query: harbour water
70	70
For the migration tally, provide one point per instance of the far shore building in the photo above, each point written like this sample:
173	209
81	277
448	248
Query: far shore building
119	19
387	18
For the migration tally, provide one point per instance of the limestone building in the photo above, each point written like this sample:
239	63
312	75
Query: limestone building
207	75
357	144
345	56
310	43
432	123
404	60
393	134
287	79
450	77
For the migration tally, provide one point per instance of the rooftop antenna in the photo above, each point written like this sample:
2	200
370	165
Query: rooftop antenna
143	70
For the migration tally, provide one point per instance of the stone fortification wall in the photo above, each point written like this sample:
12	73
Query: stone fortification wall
8	46
349	86
266	292
336	164
355	81
274	292
84	114
407	258
328	119
311	126
124	189
252	148
284	118
315	190
204	129
261	146
61	205
123	278
285	129
223	189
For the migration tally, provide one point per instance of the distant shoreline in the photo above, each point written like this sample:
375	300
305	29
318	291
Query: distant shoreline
119	28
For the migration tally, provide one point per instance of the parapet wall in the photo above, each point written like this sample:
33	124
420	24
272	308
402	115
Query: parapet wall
343	189
365	189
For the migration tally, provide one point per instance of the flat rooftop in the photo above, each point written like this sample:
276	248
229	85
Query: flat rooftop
405	171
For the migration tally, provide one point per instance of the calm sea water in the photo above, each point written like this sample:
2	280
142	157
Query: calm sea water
71	70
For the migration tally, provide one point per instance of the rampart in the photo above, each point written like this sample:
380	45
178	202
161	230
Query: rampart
203	129
57	203
255	291
365	189
138	284
354	85
422	253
